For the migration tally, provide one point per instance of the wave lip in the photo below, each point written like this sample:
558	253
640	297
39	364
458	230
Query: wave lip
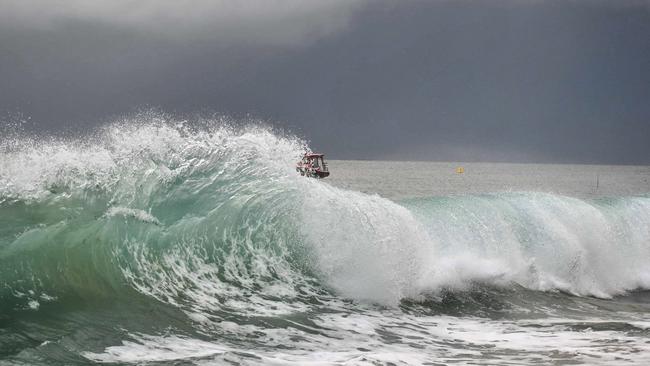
147	205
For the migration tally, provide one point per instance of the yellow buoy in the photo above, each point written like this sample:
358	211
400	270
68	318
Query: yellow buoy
460	170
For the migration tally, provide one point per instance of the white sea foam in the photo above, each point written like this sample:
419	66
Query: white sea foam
360	339
130	212
146	348
372	249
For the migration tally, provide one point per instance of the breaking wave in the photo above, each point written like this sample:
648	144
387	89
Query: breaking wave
215	220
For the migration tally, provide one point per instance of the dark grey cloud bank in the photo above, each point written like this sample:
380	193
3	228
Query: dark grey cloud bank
542	81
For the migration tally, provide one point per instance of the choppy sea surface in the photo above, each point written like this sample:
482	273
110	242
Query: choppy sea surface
152	243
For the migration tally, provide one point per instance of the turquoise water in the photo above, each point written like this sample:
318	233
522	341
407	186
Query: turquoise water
151	242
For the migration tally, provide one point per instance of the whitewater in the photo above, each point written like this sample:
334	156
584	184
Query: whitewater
154	241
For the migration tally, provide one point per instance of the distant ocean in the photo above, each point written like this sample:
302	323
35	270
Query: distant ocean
153	243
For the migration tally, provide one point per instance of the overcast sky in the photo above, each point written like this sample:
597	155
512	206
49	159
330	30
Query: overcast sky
526	81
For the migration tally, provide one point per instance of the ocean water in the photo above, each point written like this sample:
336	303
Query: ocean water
155	243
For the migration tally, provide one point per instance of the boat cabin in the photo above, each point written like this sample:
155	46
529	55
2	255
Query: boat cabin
313	165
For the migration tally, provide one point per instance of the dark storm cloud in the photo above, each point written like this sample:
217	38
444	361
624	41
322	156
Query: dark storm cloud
278	22
444	80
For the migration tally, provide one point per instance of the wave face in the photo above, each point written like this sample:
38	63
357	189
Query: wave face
540	241
156	208
215	222
161	208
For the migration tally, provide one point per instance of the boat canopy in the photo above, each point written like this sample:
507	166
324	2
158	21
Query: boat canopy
313	165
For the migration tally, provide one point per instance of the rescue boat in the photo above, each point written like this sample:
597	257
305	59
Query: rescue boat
313	165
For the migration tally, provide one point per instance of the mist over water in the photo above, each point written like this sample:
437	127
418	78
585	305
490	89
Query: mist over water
159	242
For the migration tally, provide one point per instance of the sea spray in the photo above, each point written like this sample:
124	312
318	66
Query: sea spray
73	212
